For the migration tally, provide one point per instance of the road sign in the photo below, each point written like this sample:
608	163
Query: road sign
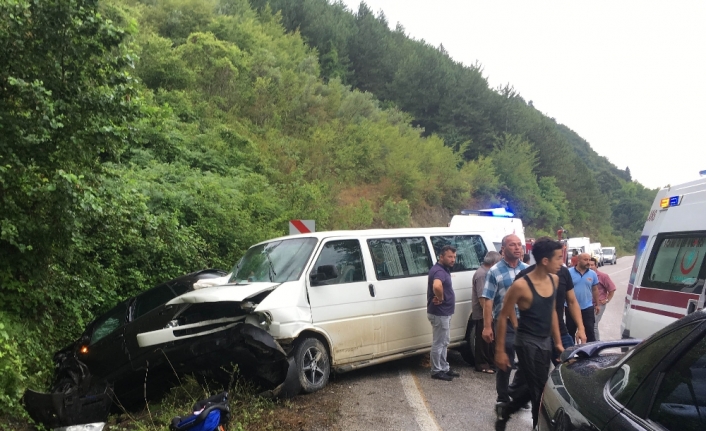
301	226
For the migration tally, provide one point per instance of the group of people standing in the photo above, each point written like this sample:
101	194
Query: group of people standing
518	311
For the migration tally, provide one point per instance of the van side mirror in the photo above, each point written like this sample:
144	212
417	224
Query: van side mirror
323	273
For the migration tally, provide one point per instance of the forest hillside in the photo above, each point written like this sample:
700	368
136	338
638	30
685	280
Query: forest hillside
147	139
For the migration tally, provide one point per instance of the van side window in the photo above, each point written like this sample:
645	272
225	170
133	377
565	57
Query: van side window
399	257
339	262
677	263
470	250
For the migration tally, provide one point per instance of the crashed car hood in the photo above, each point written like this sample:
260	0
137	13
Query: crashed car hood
228	292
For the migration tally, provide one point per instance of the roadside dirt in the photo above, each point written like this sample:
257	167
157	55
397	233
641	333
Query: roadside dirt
308	412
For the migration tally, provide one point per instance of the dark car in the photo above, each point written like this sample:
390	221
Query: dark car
660	384
111	361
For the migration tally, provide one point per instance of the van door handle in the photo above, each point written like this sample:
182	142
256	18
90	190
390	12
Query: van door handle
371	288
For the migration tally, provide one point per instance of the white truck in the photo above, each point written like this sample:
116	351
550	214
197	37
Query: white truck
578	245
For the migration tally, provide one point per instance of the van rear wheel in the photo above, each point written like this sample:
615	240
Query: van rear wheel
313	364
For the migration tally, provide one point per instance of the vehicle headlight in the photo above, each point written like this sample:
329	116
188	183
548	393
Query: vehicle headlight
261	320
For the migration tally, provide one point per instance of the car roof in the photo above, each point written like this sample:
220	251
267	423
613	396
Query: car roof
366	233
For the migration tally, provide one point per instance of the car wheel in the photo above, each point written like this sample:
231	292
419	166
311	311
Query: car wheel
313	364
468	350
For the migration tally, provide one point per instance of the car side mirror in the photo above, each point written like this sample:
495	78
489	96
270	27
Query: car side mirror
323	273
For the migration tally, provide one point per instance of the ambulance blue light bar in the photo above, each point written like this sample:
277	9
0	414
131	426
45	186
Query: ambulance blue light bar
671	201
490	212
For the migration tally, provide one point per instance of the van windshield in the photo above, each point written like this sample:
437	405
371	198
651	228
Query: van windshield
276	261
607	251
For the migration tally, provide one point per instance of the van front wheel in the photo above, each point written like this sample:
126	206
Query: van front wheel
313	364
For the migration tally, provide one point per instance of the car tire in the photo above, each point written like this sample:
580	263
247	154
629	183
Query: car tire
313	364
468	350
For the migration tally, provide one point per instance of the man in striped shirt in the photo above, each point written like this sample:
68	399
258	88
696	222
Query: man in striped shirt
498	280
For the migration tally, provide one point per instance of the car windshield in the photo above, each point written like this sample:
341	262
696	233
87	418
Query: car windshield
607	251
276	261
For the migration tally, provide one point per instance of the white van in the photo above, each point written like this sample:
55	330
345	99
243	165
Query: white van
348	299
495	226
667	279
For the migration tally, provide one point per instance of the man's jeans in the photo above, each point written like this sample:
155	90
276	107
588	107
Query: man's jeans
598	319
533	355
502	378
441	336
589	319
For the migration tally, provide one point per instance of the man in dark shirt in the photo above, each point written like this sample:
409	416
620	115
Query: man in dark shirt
484	351
441	302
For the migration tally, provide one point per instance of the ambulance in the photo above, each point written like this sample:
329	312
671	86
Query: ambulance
495	222
667	278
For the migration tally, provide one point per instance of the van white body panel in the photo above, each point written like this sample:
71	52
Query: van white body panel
364	317
650	304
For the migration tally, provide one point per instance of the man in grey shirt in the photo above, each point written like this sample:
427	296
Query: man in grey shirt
483	352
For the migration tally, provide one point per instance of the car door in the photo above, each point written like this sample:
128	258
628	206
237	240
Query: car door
106	355
401	267
342	302
149	313
654	386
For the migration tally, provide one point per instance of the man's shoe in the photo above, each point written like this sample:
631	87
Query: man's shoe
452	373
501	411
442	376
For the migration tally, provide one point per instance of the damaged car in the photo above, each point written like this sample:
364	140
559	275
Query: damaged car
125	355
659	385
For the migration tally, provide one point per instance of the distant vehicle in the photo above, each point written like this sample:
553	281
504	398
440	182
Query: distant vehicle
669	270
659	385
609	255
578	245
496	222
597	252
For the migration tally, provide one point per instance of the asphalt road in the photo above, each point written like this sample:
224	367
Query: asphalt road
400	395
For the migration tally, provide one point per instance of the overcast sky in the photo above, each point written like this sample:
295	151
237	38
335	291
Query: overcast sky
627	76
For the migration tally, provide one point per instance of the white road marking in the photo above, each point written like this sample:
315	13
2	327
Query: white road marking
422	415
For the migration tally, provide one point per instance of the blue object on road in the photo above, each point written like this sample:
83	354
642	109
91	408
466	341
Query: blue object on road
209	415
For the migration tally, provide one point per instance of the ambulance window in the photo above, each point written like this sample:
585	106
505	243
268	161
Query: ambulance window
400	257
678	262
470	250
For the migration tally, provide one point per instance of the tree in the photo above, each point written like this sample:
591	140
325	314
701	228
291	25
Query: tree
66	101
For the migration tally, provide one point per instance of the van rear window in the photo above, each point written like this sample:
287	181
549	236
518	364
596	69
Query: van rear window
470	250
677	263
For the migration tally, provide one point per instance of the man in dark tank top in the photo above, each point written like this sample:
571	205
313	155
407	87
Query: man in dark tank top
534	295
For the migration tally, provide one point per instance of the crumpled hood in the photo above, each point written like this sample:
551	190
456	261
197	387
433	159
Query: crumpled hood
225	293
